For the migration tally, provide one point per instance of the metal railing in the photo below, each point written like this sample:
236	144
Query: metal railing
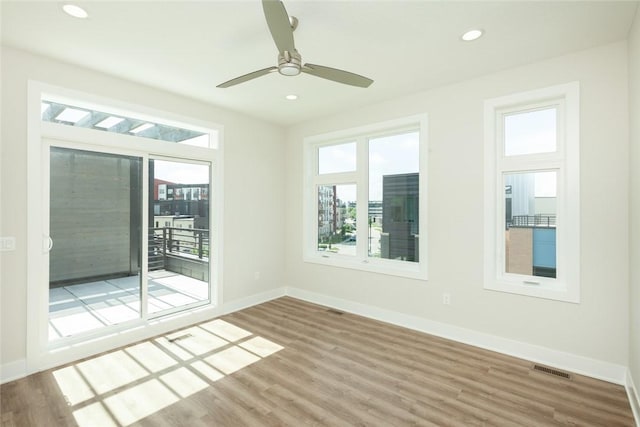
190	243
538	220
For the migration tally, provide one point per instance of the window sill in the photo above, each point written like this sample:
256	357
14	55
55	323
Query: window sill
410	270
556	292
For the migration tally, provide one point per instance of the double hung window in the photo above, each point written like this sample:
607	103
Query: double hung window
366	198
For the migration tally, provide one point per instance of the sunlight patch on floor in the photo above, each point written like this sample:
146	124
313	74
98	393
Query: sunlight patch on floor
127	385
142	400
151	357
225	330
94	415
73	386
261	346
200	341
111	371
207	371
183	382
231	360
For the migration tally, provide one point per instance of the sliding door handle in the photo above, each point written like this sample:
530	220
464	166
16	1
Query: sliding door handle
47	244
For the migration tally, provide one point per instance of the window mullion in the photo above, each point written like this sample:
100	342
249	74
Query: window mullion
337	178
362	207
527	165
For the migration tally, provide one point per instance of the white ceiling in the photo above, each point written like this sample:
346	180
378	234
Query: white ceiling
405	46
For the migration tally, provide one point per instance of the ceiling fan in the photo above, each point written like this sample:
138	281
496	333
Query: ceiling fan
289	60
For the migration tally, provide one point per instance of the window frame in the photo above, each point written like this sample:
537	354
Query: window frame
42	353
565	161
360	177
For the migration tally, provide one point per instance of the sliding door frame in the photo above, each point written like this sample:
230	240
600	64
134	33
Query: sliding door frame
42	354
145	228
47	144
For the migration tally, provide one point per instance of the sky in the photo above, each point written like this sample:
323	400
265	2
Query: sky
388	155
525	133
181	173
530	132
533	132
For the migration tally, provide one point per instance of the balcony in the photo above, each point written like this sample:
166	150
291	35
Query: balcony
178	263
538	220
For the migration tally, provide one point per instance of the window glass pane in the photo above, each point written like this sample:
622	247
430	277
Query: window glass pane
337	218
393	197
337	158
95	227
530	132
103	121
530	223
178	253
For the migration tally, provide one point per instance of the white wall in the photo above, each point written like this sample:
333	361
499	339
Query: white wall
634	114
261	177
598	327
253	177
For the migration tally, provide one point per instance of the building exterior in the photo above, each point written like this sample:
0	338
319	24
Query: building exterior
375	211
400	209
180	199
530	228
332	212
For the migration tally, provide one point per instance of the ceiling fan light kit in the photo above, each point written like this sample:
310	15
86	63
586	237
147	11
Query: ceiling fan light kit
290	64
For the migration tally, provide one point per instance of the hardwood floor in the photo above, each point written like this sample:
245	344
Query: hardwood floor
288	362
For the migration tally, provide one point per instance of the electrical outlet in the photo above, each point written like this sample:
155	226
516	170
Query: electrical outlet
256	275
7	244
446	298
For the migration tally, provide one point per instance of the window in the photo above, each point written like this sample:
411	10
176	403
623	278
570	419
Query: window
365	189
337	158
125	123
532	221
92	146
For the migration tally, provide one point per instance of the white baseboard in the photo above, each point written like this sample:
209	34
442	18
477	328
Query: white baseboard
154	328
13	371
606	371
566	361
19	369
242	303
634	399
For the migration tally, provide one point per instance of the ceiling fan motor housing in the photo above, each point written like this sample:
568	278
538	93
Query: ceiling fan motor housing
289	63
281	26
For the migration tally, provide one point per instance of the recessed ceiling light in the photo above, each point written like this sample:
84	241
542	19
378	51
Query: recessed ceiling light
472	35
75	11
291	97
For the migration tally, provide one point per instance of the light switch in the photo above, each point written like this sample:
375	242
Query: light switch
7	244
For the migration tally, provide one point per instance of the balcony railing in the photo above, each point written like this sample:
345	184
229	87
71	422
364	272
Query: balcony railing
187	243
538	220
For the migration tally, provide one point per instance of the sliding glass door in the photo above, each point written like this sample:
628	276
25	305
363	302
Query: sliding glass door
95	213
99	211
178	235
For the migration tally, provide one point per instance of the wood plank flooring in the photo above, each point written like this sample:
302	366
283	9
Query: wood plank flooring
291	363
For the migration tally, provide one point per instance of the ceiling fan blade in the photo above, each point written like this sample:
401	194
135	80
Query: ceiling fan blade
279	25
336	75
248	77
